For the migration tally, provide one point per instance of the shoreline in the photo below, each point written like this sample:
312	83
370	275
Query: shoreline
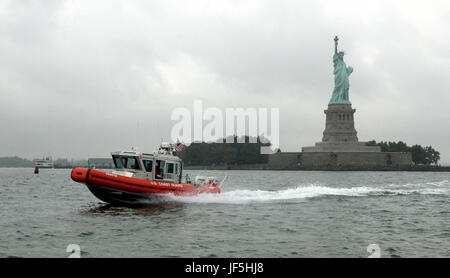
323	168
262	167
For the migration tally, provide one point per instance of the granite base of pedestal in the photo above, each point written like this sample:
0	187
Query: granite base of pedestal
341	147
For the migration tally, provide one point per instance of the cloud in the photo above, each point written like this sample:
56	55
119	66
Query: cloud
84	78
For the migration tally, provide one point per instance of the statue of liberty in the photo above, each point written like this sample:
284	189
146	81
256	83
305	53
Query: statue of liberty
341	73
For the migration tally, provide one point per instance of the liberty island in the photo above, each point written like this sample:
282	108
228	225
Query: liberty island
339	149
340	146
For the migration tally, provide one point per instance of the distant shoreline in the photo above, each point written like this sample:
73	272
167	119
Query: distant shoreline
261	167
413	168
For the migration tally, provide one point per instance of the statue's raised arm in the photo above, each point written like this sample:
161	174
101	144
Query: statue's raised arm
336	39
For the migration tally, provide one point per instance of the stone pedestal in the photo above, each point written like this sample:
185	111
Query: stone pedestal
339	124
340	133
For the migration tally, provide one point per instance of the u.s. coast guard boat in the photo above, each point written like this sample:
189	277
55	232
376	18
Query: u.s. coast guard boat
140	176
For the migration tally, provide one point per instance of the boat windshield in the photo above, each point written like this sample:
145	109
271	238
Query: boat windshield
127	162
117	162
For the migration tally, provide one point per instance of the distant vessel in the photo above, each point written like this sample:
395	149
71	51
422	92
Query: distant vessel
141	176
45	162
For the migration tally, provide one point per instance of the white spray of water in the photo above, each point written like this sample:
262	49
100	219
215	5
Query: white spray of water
300	193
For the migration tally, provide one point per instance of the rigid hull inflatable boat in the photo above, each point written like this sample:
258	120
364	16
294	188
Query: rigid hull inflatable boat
139	177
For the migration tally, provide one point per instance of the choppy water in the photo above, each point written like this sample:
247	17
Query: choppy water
259	214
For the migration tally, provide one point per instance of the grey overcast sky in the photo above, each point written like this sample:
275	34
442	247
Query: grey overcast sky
80	79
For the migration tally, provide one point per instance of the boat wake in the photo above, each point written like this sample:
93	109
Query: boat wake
302	192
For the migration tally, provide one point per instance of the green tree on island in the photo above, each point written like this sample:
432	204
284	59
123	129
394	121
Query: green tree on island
420	155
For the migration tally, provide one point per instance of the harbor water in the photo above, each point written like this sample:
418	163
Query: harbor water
258	214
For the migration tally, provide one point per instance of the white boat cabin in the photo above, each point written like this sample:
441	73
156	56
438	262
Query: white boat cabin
160	166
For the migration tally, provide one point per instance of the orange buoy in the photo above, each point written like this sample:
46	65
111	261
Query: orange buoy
36	170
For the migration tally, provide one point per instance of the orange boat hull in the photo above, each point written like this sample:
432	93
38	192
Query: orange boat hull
117	189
